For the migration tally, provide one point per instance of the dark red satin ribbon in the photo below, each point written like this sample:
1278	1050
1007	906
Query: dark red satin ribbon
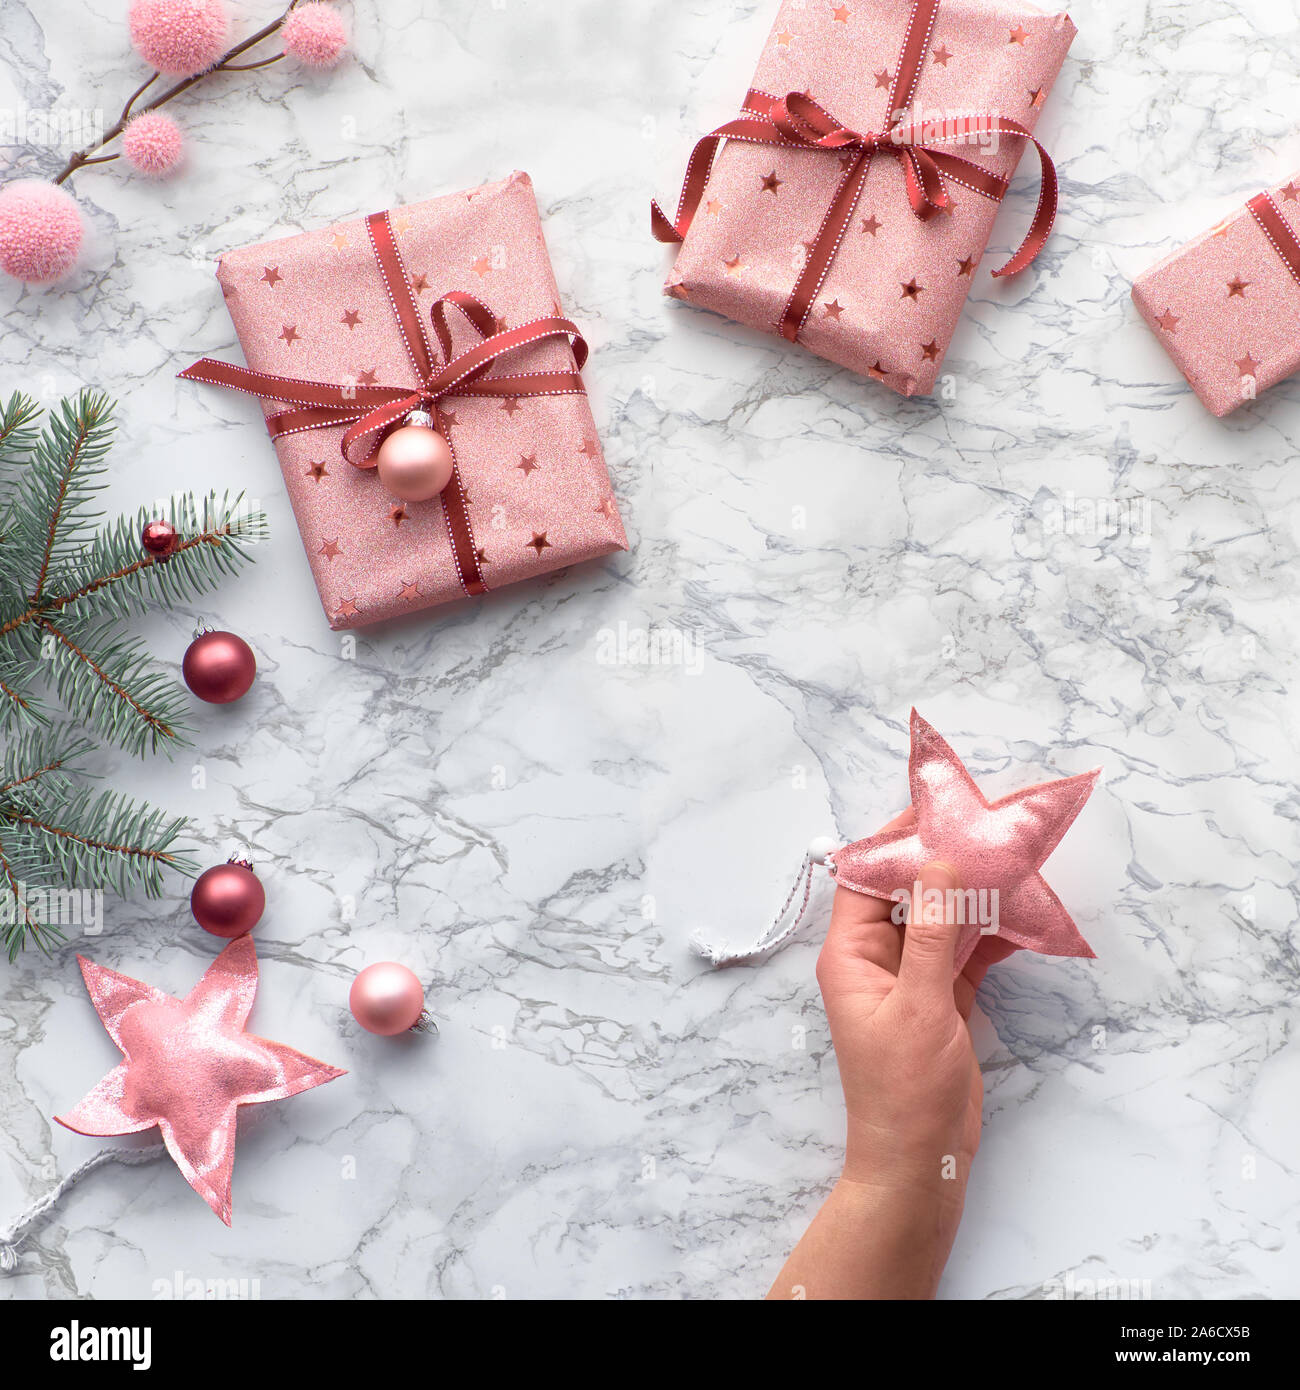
1278	230
796	121
371	411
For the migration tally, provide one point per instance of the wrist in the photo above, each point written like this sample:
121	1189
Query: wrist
904	1234
932	1163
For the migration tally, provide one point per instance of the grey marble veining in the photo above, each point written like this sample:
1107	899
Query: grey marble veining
536	830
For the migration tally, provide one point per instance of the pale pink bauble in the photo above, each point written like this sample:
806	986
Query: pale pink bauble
386	998
179	37
415	463
153	144
40	231
316	35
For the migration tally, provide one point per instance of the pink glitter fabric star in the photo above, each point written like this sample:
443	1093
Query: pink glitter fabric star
189	1067
998	845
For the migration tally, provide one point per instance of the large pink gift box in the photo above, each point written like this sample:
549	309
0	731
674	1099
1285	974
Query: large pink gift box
536	493
895	287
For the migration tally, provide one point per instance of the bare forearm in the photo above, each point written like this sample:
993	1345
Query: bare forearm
871	1242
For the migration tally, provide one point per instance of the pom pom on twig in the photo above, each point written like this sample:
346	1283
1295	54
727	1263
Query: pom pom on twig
153	144
179	37
315	34
40	231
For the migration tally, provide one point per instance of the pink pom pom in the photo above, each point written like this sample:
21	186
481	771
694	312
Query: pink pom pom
40	231
315	35
153	144
179	37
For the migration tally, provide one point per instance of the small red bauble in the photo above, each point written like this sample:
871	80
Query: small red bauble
159	538
219	667
228	899
387	998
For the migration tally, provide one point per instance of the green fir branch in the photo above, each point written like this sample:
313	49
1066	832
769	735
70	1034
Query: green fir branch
113	575
52	517
48	756
68	583
105	839
108	681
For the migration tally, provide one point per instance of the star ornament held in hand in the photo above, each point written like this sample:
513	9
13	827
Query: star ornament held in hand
189	1067
998	845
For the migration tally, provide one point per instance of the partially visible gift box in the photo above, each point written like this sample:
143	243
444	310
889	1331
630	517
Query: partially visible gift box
530	493
1226	306
872	278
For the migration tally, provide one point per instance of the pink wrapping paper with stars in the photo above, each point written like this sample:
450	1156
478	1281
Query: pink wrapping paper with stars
1225	306
849	204
342	325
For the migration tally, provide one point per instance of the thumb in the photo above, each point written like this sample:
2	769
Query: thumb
930	941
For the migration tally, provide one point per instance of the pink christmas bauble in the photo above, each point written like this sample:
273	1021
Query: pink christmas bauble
386	998
179	37
316	35
153	144
40	231
415	463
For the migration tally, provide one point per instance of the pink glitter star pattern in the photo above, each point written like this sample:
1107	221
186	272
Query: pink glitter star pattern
189	1065
992	845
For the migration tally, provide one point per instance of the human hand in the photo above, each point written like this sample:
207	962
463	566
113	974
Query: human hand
912	1092
898	1020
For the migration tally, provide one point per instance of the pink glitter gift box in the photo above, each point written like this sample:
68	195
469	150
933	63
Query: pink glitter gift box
891	272
530	493
1225	305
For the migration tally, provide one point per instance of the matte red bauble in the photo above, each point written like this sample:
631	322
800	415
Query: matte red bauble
159	538
219	667
228	899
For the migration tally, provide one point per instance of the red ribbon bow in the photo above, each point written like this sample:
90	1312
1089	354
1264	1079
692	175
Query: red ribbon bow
371	411
797	121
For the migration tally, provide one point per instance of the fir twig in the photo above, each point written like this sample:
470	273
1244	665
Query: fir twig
67	586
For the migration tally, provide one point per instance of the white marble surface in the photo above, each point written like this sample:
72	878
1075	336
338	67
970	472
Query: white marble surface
536	832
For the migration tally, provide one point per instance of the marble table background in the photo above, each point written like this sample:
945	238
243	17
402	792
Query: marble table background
536	831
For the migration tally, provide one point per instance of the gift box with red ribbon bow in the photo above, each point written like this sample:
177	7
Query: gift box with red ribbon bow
848	205
442	321
1225	306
